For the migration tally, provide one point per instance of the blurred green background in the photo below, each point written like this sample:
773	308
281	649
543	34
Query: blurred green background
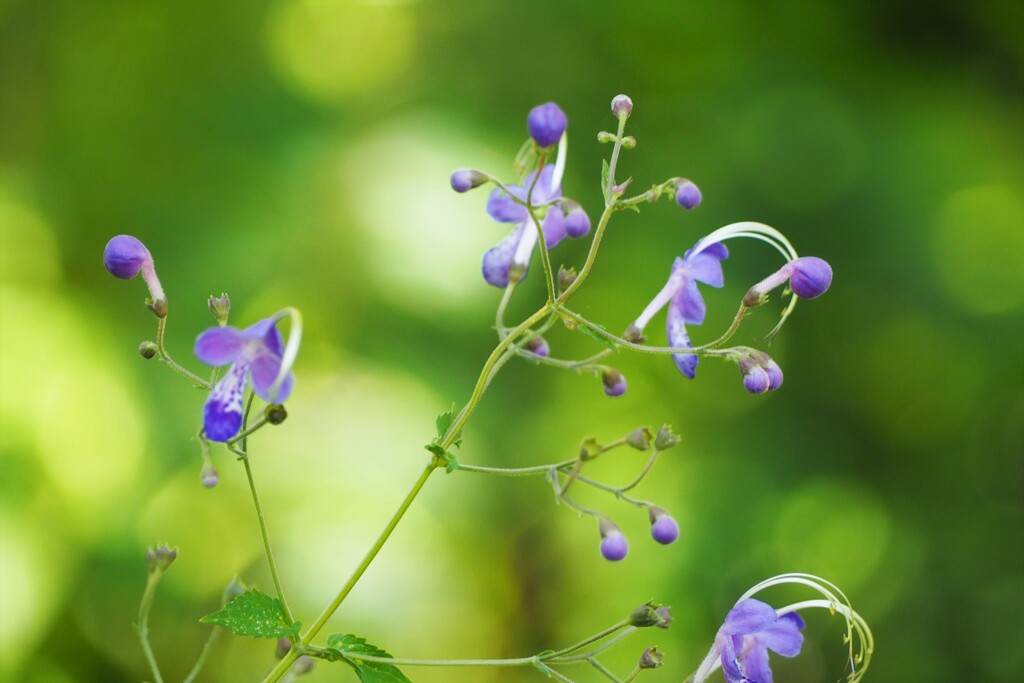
297	152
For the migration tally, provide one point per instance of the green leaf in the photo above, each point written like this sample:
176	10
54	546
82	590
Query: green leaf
605	171
344	644
254	614
451	463
444	421
596	337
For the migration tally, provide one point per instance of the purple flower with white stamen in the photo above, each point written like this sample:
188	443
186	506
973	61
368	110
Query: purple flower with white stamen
703	264
255	352
751	629
510	259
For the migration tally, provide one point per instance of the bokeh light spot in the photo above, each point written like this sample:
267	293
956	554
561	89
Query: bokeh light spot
978	246
332	48
425	241
28	250
834	529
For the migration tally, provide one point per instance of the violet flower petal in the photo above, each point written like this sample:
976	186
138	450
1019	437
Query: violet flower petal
755	664
748	616
554	227
690	302
219	345
498	261
502	208
687	363
264	371
784	635
222	414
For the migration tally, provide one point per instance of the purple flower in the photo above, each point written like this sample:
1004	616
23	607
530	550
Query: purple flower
125	257
546	123
253	352
515	251
664	529
703	263
687	194
613	544
466	179
808	277
751	629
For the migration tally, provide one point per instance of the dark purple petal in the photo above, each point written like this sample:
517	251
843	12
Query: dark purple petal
748	616
498	261
614	546
264	371
219	345
811	277
690	303
546	123
784	635
502	208
124	256
677	337
665	530
222	414
554	227
755	664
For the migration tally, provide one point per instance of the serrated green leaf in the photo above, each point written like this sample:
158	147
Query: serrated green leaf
436	449
451	463
444	421
344	644
254	614
597	337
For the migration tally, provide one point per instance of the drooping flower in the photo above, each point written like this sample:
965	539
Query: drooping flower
125	257
751	629
516	250
255	352
702	263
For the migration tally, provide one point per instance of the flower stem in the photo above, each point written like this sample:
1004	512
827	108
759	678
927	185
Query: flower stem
204	655
143	626
161	328
515	471
266	540
610	200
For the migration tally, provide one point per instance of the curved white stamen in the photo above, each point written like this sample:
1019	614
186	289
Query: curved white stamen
291	349
563	151
754	230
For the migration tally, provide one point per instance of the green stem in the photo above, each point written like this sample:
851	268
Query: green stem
161	328
542	245
643	473
499	316
204	655
266	540
515	471
143	626
604	670
609	198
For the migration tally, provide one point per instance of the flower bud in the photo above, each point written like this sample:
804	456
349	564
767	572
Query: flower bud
644	616
760	373
577	222
666	438
466	179
590	449
666	616
283	647
605	137
664	529
614	382
546	124
613	544
276	414
640	438
622	106
687	194
634	334
811	277
208	475
303	665
650	659
566	276
232	590
158	559
538	346
220	306
148	349
124	256
629	142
